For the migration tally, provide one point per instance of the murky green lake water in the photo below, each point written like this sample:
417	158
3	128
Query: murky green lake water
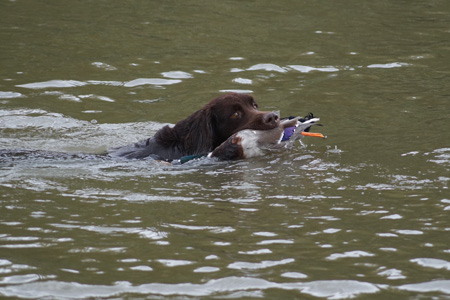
363	214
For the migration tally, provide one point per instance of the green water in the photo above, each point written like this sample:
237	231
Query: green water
363	213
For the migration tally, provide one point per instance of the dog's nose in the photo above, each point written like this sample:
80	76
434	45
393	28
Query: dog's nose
271	118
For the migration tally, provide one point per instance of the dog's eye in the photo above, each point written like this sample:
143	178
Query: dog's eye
255	105
235	115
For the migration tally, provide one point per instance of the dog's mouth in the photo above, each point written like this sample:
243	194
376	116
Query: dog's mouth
262	121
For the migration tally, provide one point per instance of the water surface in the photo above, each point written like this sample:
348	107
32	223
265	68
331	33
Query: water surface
363	213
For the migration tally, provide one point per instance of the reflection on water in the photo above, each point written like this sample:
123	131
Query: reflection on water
177	76
364	212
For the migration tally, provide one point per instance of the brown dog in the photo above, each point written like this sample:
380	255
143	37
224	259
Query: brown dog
202	131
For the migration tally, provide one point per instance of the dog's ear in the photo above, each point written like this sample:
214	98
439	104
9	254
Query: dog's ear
199	132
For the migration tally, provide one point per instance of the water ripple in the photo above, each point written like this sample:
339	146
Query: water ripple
52	84
176	75
151	81
350	254
175	262
442	286
213	229
332	289
432	263
259	265
9	95
75	83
